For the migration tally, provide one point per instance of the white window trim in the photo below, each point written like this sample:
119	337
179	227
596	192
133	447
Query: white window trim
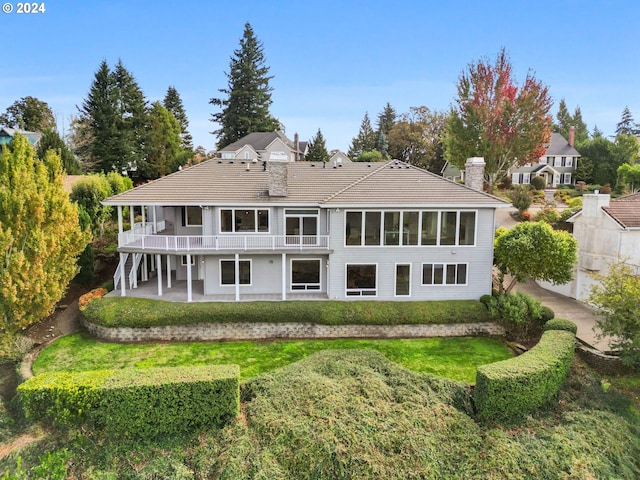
183	260
291	289
395	279
569	162
515	178
233	221
526	178
233	261
186	216
420	214
346	290
566	178
444	274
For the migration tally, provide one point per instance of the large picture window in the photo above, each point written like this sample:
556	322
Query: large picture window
444	274
362	280
192	216
228	272
305	274
243	220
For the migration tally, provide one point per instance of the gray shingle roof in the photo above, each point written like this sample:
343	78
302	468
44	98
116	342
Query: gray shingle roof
625	210
221	182
559	146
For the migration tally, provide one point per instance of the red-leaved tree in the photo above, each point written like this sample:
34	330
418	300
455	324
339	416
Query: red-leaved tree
494	118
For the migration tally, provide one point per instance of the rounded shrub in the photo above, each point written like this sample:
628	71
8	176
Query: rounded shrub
546	314
538	183
561	324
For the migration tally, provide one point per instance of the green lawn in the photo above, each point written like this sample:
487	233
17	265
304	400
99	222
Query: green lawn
454	358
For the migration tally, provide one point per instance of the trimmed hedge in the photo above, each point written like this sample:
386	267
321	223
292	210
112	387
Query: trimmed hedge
507	391
136	403
142	312
561	324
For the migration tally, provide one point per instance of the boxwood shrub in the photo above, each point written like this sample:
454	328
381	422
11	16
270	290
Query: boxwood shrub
561	324
143	312
507	391
136	403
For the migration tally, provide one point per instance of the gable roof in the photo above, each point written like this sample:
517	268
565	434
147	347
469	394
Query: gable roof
559	146
625	210
6	132
261	140
393	183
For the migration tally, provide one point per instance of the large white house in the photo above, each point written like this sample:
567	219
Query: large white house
233	230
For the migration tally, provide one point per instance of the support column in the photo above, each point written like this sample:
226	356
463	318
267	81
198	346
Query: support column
132	216
189	286
144	219
284	276
155	220
123	292
120	228
237	275
168	271
145	268
159	260
135	273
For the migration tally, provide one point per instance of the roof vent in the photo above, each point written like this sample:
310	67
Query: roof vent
219	161
313	164
230	161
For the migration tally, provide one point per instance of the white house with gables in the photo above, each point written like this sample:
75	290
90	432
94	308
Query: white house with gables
265	146
234	230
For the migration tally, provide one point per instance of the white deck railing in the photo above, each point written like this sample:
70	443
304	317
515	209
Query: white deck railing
188	243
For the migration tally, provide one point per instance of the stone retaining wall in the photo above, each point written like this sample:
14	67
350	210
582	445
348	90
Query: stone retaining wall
604	363
261	331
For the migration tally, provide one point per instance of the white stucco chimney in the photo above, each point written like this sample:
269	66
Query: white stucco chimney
474	173
592	204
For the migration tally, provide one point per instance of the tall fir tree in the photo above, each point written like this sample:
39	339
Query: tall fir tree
317	149
40	237
565	121
365	141
173	103
247	98
386	119
626	125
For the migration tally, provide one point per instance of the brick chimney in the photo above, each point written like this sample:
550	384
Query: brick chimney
474	173
277	179
572	136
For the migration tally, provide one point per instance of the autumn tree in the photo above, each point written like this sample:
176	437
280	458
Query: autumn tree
247	98
317	149
30	114
496	119
617	298
40	237
536	251
173	103
416	138
365	141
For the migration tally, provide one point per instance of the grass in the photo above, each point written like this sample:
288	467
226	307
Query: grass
354	414
455	358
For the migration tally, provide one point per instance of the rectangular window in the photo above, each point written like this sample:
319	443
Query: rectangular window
183	260
228	155
526	178
448	226
305	274
569	162
467	233
444	274
557	161
515	178
403	280
372	228
566	179
429	228
193	216
228	272
353	228
361	280
564	161
392	228
549	160
410	228
244	220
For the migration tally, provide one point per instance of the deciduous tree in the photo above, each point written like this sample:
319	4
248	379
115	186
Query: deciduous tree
247	98
496	119
30	114
163	149
317	149
617	297
536	251
40	237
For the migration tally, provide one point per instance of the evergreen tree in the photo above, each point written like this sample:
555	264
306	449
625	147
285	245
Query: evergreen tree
50	140
173	103
565	121
317	149
582	132
382	145
30	114
365	141
40	237
163	144
247	98
626	124
386	119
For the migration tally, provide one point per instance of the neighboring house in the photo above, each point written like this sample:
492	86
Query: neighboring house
338	157
6	135
233	231
607	232
557	166
265	146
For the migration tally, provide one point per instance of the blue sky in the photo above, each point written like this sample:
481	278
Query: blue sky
332	61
